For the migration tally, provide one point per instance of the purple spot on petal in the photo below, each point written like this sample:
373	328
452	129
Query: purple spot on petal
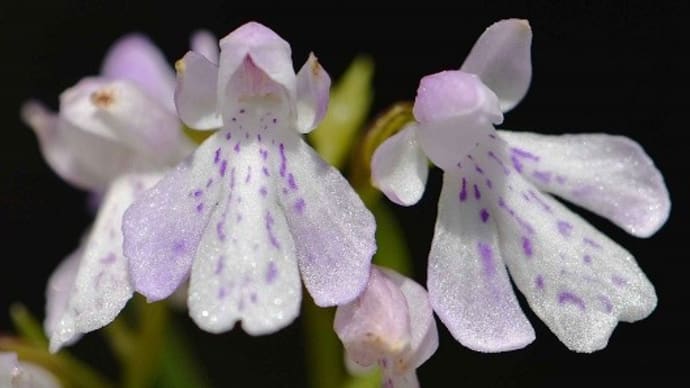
238	219
459	165
265	171
209	182
560	179
618	281
242	110
200	207
565	228
249	175
568	297
541	202
477	194
591	242
220	264
606	302
463	190
220	231
587	259
269	228
291	182
527	246
216	158
516	163
109	259
478	169
487	258
271	272
264	154
489	184
237	147
484	214
232	178
493	156
275	120
491	135
253	297
222	293
179	247
299	206
524	154
539	282
228	135
198	193
542	176
283	160
223	166
263	191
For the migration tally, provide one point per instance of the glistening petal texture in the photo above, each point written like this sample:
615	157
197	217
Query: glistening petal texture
467	279
501	58
59	290
313	87
135	58
196	102
163	227
399	167
101	287
332	229
245	267
16	374
609	175
578	281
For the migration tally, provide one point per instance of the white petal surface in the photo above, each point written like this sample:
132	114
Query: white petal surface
399	167
195	95
16	374
313	87
101	287
205	43
578	281
609	175
246	267
135	58
332	229
467	280
60	285
501	58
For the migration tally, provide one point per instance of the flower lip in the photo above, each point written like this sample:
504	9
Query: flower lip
449	94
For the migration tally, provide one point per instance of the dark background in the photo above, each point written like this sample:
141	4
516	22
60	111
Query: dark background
616	67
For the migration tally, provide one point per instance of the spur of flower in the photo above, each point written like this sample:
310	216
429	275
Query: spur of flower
254	207
114	136
495	210
390	325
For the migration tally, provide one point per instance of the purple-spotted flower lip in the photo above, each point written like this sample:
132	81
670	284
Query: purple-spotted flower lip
254	209
495	215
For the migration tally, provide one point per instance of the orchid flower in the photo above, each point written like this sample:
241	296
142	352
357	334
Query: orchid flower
16	374
391	325
114	134
254	206
495	209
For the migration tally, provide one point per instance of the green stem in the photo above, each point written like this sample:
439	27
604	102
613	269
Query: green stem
143	361
324	355
29	329
180	369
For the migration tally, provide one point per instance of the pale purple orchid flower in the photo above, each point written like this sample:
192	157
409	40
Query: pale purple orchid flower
390	325
115	134
495	210
20	374
254	206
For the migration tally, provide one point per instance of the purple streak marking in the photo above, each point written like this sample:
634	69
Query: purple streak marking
291	182
209	182
478	169
568	297
237	147
109	259
565	228
220	264
516	163
543	204
493	156
527	246
543	176
269	229
263	191
477	194
484	214
283	160
524	154
200	207
220	231
223	166
271	272
179	247
587	259
265	171
608	306
489	184
299	206
198	193
618	281
591	242
560	179
487	259
228	135
216	158
539	282
463	190
249	175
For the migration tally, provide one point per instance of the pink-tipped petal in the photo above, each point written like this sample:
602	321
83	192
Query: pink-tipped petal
205	43
501	58
135	58
609	175
101	285
332	229
313	87
195	97
399	167
467	280
455	111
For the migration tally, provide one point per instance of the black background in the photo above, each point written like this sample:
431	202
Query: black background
616	67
